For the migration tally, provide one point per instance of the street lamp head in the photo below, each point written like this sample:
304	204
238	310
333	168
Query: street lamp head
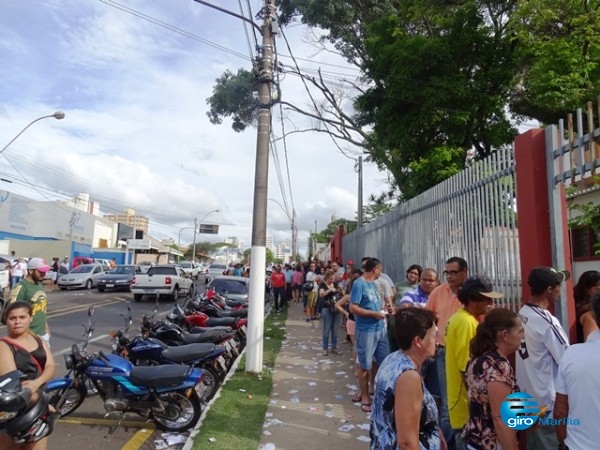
59	115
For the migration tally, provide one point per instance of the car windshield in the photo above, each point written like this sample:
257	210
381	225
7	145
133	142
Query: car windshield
121	270
231	286
82	269
218	266
162	271
186	265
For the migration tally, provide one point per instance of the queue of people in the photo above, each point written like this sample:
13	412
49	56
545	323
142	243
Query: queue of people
432	359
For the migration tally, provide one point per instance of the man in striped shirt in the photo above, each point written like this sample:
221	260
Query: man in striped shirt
542	349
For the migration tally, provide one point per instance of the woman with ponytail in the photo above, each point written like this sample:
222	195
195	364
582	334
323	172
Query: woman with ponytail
490	379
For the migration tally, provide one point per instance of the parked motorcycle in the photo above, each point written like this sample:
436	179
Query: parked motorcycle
168	394
147	351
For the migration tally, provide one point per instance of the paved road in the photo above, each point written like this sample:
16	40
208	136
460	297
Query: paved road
87	428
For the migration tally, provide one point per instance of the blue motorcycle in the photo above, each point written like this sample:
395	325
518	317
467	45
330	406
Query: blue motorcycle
147	351
168	395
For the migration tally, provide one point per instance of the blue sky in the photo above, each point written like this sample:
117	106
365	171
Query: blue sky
136	132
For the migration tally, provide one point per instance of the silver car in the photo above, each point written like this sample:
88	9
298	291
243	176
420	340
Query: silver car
83	276
235	288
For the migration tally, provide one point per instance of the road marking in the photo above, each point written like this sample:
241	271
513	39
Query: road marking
138	439
107	422
66	350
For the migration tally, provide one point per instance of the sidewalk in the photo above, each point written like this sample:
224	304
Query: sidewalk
311	403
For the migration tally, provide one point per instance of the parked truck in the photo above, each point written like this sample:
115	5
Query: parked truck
162	281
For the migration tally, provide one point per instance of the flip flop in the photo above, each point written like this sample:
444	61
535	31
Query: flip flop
365	407
357	398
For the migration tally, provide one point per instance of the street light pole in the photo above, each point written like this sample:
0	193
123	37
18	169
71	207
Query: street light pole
57	115
196	223
179	240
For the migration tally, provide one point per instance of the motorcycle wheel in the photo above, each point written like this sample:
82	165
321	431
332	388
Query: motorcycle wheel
181	413
73	398
210	382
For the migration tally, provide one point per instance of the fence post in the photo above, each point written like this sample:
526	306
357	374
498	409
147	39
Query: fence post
535	221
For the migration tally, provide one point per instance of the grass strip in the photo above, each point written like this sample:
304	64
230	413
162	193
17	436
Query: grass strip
236	418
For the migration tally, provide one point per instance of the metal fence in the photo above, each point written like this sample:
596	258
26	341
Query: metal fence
471	215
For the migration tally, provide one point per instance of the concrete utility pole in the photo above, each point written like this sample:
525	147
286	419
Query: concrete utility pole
254	348
360	192
254	337
294	235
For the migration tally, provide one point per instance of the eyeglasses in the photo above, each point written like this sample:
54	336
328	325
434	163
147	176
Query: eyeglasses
452	272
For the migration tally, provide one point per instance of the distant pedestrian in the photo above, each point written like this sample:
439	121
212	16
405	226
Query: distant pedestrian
297	281
330	292
277	282
112	263
55	270
310	287
542	349
19	270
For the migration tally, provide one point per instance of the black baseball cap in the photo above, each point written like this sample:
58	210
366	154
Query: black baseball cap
543	277
479	284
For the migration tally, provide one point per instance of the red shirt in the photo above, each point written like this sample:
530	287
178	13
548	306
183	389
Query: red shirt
277	279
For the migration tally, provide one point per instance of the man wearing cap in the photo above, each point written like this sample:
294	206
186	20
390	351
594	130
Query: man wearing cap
30	289
477	297
542	349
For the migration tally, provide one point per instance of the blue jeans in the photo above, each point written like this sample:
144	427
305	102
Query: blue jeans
278	293
331	322
440	362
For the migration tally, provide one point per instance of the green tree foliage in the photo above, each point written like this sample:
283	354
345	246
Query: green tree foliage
327	233
443	78
558	57
269	256
233	96
204	249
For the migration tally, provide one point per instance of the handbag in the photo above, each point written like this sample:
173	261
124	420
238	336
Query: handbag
309	286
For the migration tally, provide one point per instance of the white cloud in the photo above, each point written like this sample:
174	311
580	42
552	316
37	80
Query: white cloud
136	132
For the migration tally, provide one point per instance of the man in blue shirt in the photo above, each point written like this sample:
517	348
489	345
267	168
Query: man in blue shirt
371	337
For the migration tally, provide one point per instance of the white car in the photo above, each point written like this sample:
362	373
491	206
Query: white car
216	269
83	276
191	269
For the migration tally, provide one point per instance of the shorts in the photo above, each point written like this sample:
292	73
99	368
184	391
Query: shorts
371	346
351	327
311	299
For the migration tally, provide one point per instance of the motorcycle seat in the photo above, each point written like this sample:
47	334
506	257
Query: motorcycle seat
200	338
208	329
221	321
158	376
189	352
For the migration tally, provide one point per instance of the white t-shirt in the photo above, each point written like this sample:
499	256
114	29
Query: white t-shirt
19	269
311	276
540	353
578	379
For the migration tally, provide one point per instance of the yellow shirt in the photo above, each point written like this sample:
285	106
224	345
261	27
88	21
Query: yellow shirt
443	303
459	332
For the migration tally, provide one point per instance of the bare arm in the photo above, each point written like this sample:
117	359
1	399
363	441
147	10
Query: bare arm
7	360
358	311
507	437
408	404
561	410
588	323
339	305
